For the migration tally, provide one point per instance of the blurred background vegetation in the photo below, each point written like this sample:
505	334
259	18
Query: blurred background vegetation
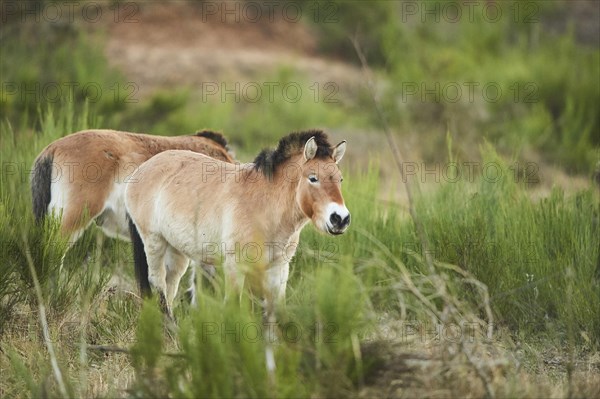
538	257
543	56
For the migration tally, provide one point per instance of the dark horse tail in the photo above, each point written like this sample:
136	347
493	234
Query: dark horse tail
41	180
139	259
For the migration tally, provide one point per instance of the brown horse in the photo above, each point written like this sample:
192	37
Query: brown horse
81	177
185	206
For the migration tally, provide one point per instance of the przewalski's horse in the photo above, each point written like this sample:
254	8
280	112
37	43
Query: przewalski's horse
81	177
184	206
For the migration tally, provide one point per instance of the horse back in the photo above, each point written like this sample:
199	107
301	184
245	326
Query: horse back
178	186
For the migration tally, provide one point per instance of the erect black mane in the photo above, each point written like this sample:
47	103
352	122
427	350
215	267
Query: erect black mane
214	136
268	160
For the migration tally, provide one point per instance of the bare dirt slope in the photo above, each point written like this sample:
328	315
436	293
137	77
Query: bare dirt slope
183	44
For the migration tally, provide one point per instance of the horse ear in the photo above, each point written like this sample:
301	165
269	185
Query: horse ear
310	149
338	151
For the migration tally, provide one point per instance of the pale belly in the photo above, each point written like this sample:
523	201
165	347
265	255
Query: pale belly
113	219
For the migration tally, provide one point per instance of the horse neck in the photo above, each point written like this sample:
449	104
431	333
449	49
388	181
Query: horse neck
161	143
277	196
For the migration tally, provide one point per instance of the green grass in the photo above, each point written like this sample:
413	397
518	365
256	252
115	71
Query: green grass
72	73
530	254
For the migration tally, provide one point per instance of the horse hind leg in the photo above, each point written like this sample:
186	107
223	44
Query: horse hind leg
72	227
73	224
155	247
176	265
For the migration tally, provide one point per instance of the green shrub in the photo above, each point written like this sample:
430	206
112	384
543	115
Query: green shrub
549	87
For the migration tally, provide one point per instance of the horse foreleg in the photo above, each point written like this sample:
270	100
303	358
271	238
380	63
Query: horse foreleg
208	270
234	278
275	284
276	278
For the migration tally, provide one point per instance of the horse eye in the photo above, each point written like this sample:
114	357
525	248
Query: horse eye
313	179
341	179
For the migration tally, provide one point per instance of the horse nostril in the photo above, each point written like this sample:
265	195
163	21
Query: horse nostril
335	219
346	220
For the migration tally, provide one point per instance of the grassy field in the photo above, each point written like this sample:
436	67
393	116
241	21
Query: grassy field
351	300
498	297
